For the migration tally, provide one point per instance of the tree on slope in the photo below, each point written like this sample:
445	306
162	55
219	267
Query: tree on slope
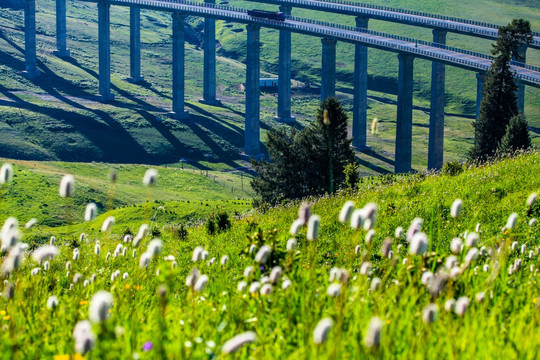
499	101
307	162
516	137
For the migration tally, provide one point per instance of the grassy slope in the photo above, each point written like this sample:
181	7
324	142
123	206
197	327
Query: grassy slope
57	117
189	193
504	325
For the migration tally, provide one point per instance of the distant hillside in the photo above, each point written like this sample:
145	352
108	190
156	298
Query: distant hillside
58	117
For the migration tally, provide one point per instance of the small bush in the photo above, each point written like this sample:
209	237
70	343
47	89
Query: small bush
179	232
155	232
452	168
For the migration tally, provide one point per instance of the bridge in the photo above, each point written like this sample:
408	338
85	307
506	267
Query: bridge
407	50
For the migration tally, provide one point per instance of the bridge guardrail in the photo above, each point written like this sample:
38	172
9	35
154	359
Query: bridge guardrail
323	32
396	10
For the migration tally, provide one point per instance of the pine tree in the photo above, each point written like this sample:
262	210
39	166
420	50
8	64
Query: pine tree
516	137
499	101
307	162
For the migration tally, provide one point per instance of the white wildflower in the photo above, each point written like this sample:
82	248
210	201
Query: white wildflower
472	239
107	224
67	185
84	337
419	244
511	222
346	212
312	232
333	289
100	305
91	212
52	302
263	254
320	334
6	173
155	246
461	305
430	313
46	252
238	342
455	210
201	282
375	284
144	260
372	337
291	244
150	177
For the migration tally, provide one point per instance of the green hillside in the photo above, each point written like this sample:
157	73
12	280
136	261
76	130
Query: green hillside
150	311
57	117
189	193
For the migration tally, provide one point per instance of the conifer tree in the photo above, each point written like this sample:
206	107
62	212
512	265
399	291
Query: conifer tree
516	137
499	101
307	162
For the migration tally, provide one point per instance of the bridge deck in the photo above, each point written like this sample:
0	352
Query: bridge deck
433	52
415	18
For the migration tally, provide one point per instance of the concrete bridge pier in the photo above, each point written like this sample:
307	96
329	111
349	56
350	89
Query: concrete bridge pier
284	74
252	144
61	42
404	114
360	91
328	78
178	111
436	116
135	45
30	59
104	43
209	71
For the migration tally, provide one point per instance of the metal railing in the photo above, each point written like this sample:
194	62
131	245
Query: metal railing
473	61
386	11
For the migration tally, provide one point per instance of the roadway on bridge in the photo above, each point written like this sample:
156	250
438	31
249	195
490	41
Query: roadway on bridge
465	60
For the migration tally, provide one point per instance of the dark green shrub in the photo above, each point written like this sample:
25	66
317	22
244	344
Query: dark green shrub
452	168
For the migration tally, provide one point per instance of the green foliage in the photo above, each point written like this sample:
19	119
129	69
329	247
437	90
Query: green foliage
516	137
352	177
179	232
217	222
499	101
155	232
452	168
284	320
307	162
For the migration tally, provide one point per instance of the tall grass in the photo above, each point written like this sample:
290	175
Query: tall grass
155	314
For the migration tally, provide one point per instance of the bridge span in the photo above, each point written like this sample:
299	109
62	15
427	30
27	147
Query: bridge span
407	50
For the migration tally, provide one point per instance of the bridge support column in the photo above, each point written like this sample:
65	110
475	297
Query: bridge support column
328	78
30	59
209	71
135	45
252	125
61	42
436	116
178	111
360	91
404	114
284	73
104	43
521	57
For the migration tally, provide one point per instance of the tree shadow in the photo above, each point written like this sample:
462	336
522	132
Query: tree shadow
376	168
378	156
114	143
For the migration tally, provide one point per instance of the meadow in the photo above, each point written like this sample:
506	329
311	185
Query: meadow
417	266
